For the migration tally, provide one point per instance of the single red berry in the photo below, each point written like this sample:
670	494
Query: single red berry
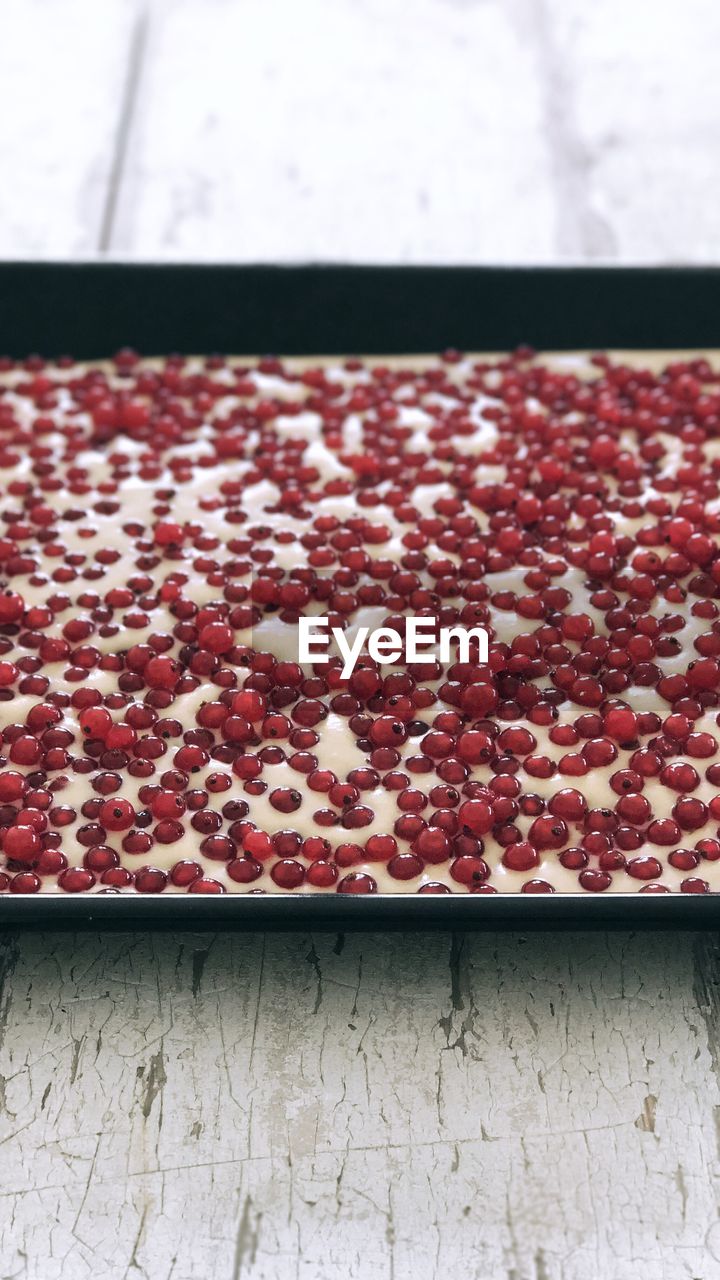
664	831
150	880
476	816
12	607
690	885
205	884
680	776
250	704
684	859
644	868
709	849
166	533
380	848
690	813
537	886
120	737
548	833
621	724
25	882
517	741
469	869
405	866
569	804
217	637
161	673
285	799
433	845
184	872
95	722
321	874
12	786
116	814
99	858
387	732
573	858
595	881
117	877
167	804
521	856
218	848
168	831
475	747
50	862
357	882
288	873
76	880
634	808
21	844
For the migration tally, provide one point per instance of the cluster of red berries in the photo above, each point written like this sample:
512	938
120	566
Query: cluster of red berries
165	523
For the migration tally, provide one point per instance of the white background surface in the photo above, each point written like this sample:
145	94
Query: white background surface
496	1107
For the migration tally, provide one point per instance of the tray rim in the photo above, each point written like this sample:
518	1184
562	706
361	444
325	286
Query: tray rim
616	306
338	912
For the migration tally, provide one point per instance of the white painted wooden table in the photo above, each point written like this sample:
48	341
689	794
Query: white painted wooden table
498	1107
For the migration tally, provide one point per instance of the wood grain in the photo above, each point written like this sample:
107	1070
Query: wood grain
63	66
328	129
641	104
226	1106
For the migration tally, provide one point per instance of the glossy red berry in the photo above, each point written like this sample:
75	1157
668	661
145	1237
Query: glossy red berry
285	799
217	637
568	804
693	884
521	856
95	722
21	844
249	704
548	833
150	880
595	881
116	814
161	673
206	884
25	882
244	870
476	816
469	869
386	731
620	723
357	882
321	874
76	880
644	868
12	607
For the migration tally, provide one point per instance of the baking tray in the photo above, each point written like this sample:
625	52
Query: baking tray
91	309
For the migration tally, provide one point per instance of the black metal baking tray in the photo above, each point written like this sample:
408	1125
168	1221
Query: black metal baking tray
89	310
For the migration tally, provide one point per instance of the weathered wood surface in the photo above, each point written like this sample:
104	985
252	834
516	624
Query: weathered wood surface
182	1106
499	1107
63	71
